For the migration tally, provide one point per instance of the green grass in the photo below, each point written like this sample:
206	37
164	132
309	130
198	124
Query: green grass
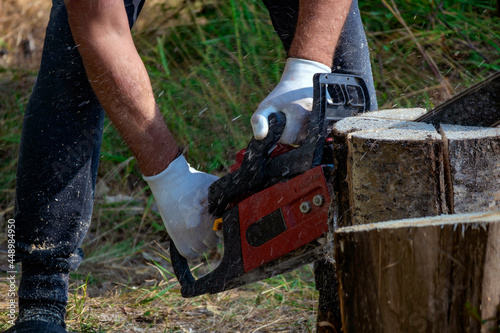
423	52
211	63
211	72
212	66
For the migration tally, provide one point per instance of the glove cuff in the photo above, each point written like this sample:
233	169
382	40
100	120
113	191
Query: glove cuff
297	65
175	169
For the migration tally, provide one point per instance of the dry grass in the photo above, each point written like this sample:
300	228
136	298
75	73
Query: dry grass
156	306
22	29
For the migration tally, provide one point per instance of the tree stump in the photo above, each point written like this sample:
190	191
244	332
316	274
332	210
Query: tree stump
390	168
329	319
437	274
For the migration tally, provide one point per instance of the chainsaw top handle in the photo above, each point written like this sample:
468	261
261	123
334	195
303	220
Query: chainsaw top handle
336	96
252	171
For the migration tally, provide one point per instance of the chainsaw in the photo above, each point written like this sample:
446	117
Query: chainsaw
276	204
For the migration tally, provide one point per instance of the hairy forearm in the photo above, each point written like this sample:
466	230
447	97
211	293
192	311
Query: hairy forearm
318	29
120	80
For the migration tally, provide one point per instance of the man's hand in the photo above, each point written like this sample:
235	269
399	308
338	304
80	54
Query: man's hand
181	194
294	97
318	29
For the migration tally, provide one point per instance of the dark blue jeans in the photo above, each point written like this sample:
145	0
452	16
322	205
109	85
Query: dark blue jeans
57	167
61	140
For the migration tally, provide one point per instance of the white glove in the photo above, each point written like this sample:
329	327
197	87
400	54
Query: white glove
294	97
181	195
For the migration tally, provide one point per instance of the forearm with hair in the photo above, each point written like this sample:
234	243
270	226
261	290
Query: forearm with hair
120	80
318	29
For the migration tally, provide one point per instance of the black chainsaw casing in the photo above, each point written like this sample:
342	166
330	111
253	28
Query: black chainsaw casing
225	275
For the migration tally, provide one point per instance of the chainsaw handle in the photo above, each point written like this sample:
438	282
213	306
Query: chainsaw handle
181	266
341	95
253	171
225	275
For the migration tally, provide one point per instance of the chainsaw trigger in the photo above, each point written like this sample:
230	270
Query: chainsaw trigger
218	224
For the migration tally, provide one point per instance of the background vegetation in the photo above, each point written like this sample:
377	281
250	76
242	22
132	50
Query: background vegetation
211	62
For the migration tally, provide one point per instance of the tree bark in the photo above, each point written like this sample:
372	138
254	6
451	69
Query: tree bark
420	275
473	154
329	319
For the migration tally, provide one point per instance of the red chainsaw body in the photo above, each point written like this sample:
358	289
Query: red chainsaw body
272	223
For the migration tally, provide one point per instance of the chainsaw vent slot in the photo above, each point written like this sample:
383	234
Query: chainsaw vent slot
336	95
345	95
266	229
355	95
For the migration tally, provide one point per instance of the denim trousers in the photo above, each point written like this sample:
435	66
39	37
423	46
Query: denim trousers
61	139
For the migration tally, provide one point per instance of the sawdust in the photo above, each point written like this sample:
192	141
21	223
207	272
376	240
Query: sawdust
43	246
126	308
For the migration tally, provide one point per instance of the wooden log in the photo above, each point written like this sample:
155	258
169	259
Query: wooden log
473	169
473	157
490	302
395	173
420	275
370	121
328	310
388	168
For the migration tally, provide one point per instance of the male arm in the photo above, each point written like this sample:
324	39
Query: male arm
318	30
120	81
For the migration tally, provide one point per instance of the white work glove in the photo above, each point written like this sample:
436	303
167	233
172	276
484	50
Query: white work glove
294	97
181	195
